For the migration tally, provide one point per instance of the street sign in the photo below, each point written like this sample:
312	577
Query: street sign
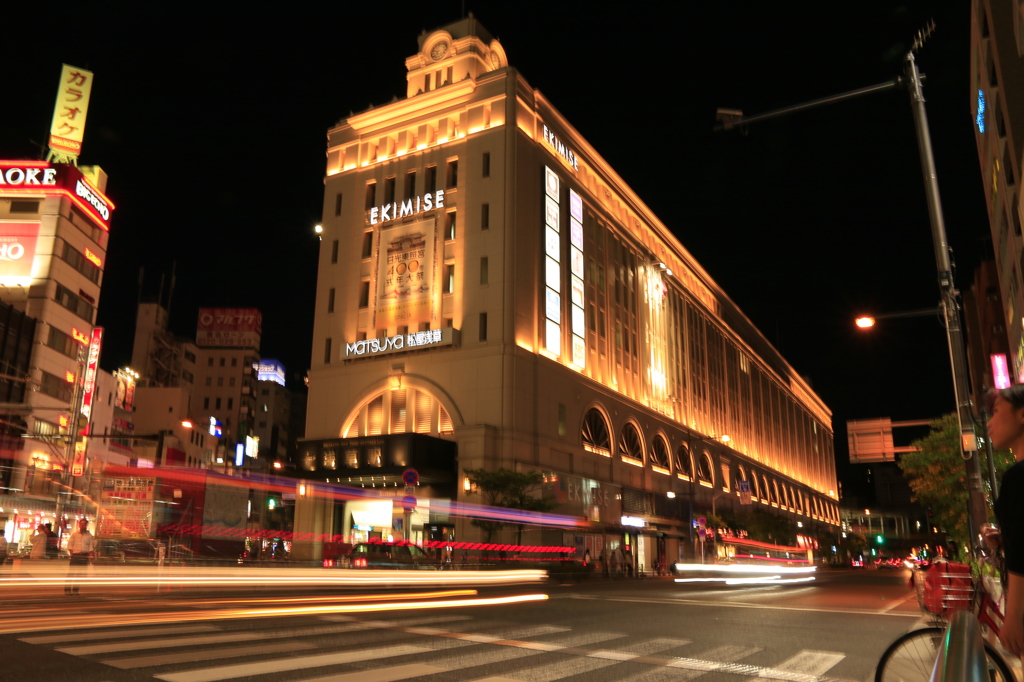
702	533
701	521
744	489
409	503
410	477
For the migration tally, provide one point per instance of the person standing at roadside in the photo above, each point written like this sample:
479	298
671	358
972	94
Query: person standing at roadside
1006	429
39	539
80	545
3	547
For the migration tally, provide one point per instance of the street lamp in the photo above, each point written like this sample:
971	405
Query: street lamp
868	321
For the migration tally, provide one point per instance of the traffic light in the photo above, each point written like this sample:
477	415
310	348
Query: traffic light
879	539
273	502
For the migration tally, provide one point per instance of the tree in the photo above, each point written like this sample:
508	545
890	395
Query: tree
509	489
937	475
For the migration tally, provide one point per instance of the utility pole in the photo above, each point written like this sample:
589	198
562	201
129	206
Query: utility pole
950	307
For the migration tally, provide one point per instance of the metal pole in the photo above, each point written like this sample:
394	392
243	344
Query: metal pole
977	506
989	454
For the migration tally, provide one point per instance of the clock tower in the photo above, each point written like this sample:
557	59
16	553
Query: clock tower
451	54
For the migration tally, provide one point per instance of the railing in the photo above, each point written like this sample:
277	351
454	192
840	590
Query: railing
962	656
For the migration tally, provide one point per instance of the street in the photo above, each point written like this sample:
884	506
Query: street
641	630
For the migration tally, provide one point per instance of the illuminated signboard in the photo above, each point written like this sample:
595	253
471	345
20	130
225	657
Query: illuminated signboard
384	213
432	338
17	248
563	150
92	364
68	126
405	274
269	370
41	177
78	464
980	119
576	265
1000	371
252	446
633	521
93	258
124	396
239	454
229	327
80	337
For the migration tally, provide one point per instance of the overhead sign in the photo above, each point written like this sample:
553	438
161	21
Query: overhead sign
91	367
270	370
229	327
433	338
42	177
17	248
384	213
68	126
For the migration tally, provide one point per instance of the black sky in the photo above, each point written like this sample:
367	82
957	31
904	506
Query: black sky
211	125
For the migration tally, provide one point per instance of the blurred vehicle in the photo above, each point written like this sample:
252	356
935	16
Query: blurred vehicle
126	551
384	555
857	563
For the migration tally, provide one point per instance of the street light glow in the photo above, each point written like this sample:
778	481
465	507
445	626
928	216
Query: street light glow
865	322
187	424
318	228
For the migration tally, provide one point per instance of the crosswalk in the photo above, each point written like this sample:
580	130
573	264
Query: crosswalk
337	648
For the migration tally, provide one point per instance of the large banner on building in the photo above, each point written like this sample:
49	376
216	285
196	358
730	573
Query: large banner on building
68	126
17	248
229	327
126	507
405	274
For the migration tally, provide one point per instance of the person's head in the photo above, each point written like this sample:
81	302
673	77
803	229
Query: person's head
41	528
83	525
1006	425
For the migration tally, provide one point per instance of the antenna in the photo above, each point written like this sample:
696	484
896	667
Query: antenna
923	35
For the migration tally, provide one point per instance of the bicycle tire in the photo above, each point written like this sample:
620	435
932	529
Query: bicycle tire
911	658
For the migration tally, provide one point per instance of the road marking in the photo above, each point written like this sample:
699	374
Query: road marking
110	634
889	608
396	623
728	653
741	605
595	660
814	663
205	655
228	672
398	672
243	636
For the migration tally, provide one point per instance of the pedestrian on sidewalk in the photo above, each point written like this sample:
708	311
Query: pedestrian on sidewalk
81	545
3	547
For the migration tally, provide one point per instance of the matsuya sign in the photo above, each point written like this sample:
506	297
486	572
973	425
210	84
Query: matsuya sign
432	338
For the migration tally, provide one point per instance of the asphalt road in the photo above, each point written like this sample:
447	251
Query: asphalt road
640	630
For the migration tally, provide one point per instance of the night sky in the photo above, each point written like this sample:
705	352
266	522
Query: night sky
211	125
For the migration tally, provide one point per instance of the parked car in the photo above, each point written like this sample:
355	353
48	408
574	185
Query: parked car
382	555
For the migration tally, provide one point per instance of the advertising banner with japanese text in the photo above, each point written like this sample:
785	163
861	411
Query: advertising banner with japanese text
229	327
17	248
126	507
68	126
405	274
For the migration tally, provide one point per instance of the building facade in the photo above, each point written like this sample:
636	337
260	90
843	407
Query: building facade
997	106
487	280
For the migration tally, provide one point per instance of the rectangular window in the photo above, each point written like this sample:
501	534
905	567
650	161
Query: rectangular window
486	170
330	301
327	351
485	216
484	274
367	244
389	189
430	180
79	261
452	175
337	204
371	195
24	206
75	303
62	343
206	403
334	252
483	326
231	403
220	381
449	226
410	184
231	381
190	357
364	294
55	386
448	285
209	362
209	381
222	362
216	404
234	362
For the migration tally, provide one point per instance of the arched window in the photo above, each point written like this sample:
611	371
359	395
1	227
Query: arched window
741	475
775	493
595	433
790	503
705	469
659	453
407	410
766	490
755	487
630	444
683	464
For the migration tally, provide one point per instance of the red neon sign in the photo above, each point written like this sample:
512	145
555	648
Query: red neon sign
90	370
41	177
93	258
80	337
69	377
1000	371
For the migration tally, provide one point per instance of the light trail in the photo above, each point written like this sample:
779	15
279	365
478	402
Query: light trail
106	619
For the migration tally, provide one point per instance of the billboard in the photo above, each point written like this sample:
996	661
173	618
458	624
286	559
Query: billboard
17	248
405	274
270	370
91	367
68	126
126	507
124	396
229	327
33	178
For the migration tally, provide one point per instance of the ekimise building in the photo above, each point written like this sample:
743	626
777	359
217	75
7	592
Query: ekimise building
492	294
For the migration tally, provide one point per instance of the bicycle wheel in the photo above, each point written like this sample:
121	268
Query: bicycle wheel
911	658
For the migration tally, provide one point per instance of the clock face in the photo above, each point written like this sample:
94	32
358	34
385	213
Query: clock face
439	50
494	60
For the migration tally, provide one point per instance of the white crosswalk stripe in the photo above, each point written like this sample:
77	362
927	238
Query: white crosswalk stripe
806	662
111	634
205	655
594	661
728	653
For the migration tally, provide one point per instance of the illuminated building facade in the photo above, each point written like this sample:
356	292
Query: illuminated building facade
997	81
486	279
54	227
